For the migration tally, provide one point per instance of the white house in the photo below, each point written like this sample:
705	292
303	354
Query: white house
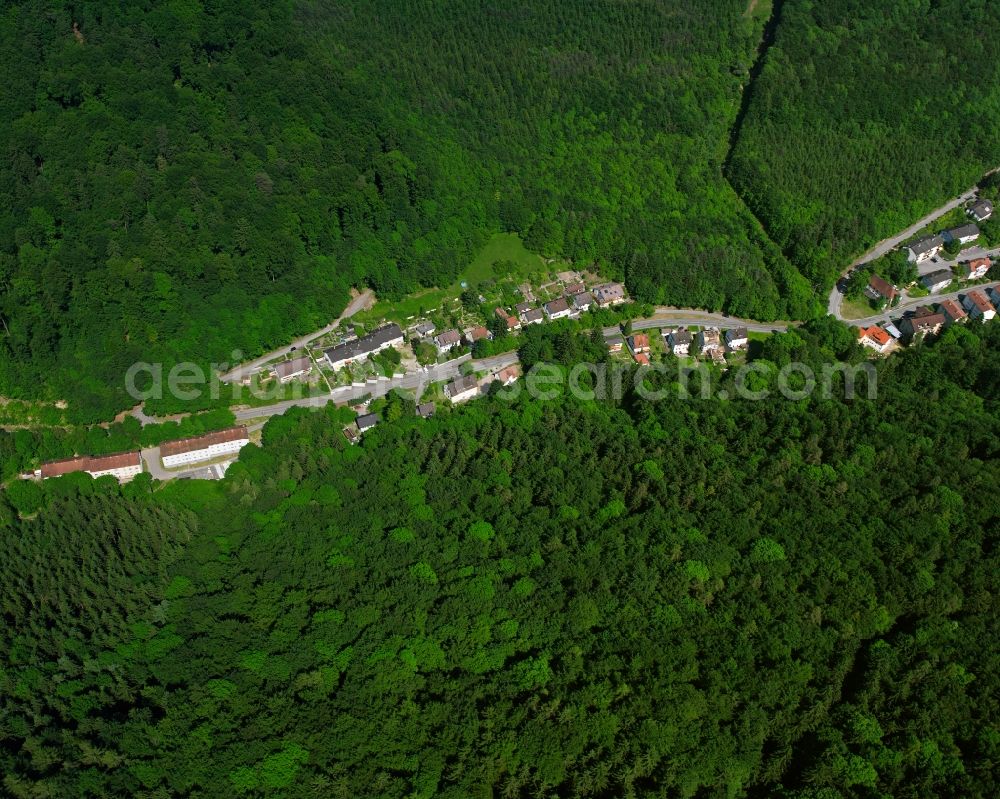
680	341
462	389
447	340
557	309
964	234
709	340
936	281
924	248
974	269
978	306
875	338
123	466
609	294
980	210
738	338
204	448
583	301
289	370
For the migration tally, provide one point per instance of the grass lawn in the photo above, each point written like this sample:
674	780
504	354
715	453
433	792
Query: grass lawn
856	309
506	247
503	247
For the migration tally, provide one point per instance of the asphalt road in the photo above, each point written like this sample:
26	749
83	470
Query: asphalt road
357	304
909	305
377	388
667	317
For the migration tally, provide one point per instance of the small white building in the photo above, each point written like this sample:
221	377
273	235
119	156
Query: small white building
738	338
680	341
557	309
123	466
937	281
447	340
204	448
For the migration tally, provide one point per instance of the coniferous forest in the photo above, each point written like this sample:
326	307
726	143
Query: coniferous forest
522	598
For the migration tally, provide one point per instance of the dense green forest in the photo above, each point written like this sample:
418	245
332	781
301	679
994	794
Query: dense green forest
865	117
188	178
524	598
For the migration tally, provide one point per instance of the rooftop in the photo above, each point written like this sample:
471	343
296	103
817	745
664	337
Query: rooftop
182	445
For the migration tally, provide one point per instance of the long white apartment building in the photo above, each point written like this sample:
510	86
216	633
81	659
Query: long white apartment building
204	448
123	466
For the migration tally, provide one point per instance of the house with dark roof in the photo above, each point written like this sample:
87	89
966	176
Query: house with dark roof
582	301
359	349
980	210
738	338
533	316
964	234
924	248
937	281
574	288
521	307
680	341
367	422
426	410
462	389
557	309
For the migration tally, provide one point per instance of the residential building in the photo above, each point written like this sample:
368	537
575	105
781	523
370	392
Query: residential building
523	307
582	301
709	339
477	334
963	234
424	329
879	289
123	466
447	340
892	330
641	358
513	323
974	269
508	376
204	448
533	316
367	422
289	370
574	288
738	338
680	341
638	343
925	322
994	294
361	348
557	309
980	210
978	306
924	248
426	410
351	434
951	311
936	281
875	338
609	294
462	389
614	344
